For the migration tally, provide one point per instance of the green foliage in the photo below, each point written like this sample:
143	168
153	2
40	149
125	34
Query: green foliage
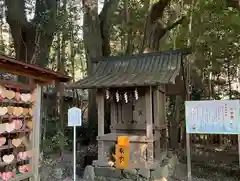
134	24
69	30
53	138
52	143
215	41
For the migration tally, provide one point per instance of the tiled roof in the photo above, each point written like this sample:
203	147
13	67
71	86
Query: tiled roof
131	71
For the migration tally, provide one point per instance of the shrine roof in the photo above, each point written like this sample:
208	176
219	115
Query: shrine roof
13	66
147	69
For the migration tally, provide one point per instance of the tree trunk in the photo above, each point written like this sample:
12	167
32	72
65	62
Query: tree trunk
229	81
97	44
93	48
175	121
2	46
174	125
154	27
32	40
129	36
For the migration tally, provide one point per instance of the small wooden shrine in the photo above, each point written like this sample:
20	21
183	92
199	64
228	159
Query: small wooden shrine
20	119
136	87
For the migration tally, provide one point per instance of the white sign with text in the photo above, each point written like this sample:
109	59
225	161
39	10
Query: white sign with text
74	120
74	117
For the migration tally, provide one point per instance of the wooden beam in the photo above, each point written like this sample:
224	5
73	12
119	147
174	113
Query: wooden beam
22	177
10	64
31	73
28	73
16	85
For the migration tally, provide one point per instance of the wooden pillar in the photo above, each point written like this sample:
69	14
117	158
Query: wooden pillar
37	117
100	102
149	110
156	118
162	107
113	118
149	124
162	118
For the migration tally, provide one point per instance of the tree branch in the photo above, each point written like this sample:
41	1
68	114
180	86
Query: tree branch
25	34
105	23
174	24
153	27
157	10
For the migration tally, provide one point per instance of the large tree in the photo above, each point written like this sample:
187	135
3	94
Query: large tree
32	39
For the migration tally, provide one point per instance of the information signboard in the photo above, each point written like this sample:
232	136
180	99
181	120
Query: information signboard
212	117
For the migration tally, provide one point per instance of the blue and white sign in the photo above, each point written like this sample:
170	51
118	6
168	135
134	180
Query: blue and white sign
212	117
74	116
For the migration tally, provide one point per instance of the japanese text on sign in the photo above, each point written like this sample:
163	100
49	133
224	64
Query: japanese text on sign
212	117
122	156
122	152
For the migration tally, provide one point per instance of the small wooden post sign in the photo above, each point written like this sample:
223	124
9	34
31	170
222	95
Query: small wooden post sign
122	152
74	120
74	117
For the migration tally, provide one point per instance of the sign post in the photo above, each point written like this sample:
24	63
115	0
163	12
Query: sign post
211	117
74	120
122	152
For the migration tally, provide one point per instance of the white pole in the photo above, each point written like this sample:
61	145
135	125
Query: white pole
189	169
74	153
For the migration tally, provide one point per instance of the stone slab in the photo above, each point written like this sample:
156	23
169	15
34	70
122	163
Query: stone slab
107	172
89	173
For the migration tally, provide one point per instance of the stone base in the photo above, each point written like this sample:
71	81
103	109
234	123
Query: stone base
150	166
163	170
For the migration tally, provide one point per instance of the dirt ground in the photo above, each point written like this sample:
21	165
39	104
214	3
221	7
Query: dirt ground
203	169
211	165
205	172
